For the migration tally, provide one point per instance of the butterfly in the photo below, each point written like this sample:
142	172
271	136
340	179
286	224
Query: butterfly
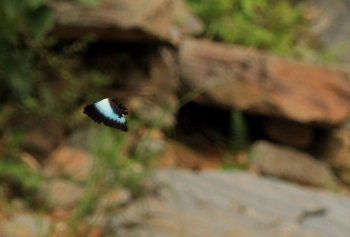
109	112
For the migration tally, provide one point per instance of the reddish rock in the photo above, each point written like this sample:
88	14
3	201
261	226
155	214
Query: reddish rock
124	20
40	142
290	164
288	132
238	77
68	161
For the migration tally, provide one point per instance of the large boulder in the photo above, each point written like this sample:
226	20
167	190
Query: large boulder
244	78
125	20
290	164
232	203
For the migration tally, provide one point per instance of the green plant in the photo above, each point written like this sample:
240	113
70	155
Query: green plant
30	68
277	25
113	168
236	156
239	130
19	180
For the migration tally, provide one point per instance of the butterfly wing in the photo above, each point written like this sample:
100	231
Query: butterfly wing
107	112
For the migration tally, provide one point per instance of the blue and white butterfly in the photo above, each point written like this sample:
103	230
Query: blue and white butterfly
109	112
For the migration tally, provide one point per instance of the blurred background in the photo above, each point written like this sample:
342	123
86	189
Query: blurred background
238	118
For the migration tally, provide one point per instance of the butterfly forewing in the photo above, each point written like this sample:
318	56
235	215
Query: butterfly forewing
108	112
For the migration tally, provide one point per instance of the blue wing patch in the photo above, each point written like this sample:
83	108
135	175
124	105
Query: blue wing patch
109	112
105	108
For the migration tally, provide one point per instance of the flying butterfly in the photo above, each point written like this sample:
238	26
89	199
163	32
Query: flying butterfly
109	112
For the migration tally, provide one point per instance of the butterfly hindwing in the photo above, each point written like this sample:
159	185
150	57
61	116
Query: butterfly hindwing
109	112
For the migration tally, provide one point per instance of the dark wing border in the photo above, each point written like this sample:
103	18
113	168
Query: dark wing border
118	107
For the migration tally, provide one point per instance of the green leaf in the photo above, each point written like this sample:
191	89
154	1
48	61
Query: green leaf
40	22
266	24
248	7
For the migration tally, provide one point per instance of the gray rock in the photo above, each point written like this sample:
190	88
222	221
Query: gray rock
236	204
290	164
62	193
330	24
25	225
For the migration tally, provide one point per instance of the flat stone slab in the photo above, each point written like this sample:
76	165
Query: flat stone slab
220	203
124	20
232	76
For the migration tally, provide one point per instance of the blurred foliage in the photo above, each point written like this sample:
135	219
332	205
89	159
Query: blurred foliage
239	131
39	83
236	156
20	175
17	177
30	69
276	25
113	168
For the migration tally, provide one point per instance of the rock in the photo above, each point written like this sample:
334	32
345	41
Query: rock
25	225
329	24
61	193
68	161
187	22
152	113
218	203
181	156
290	164
40	142
336	149
255	82
77	139
344	176
288	132
115	198
154	93
149	143
61	228
124	20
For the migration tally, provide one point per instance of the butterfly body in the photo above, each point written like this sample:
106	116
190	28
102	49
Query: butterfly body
109	112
